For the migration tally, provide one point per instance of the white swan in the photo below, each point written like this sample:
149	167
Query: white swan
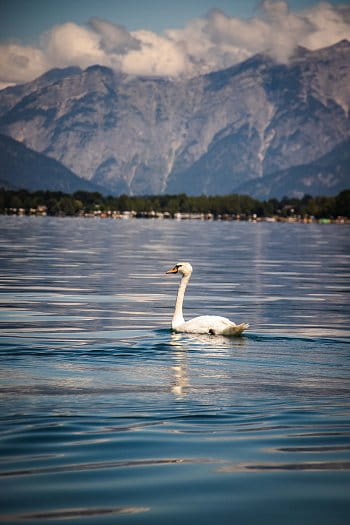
205	324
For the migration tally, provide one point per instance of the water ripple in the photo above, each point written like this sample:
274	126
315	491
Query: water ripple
73	513
104	465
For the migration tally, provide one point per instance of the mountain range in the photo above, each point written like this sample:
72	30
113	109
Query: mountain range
259	127
22	167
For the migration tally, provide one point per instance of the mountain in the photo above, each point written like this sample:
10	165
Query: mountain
326	176
21	167
212	134
11	95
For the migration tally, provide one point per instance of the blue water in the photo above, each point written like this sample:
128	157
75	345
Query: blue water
108	417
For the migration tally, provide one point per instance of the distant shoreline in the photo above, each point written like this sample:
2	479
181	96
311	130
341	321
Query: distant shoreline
129	215
232	207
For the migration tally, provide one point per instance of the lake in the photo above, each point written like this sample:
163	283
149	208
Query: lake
109	417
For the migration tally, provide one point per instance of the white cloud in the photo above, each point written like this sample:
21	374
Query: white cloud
275	30
157	56
115	38
19	63
74	45
331	24
205	44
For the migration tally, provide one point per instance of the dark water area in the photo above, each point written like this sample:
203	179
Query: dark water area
109	417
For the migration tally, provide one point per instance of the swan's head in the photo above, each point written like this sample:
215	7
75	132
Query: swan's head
182	267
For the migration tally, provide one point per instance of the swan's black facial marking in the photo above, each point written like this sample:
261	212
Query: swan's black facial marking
182	268
175	269
211	331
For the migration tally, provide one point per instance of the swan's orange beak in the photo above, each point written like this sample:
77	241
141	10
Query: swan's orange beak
172	270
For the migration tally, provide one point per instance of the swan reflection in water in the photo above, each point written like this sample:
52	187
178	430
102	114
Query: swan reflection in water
183	347
180	367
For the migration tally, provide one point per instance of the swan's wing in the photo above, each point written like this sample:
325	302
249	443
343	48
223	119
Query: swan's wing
211	324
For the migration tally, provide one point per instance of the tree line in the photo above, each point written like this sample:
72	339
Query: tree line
82	202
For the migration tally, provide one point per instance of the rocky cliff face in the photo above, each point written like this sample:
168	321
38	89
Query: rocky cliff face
211	134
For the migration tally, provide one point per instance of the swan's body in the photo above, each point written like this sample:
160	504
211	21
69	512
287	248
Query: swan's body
204	324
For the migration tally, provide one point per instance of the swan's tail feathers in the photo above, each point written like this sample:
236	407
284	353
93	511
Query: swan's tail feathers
236	329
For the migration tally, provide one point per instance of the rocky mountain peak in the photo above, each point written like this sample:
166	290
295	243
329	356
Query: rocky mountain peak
209	134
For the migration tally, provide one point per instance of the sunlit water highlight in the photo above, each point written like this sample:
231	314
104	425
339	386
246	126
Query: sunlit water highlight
109	417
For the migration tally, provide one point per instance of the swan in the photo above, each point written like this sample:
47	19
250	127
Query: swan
204	324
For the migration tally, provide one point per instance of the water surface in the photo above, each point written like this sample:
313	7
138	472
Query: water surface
108	417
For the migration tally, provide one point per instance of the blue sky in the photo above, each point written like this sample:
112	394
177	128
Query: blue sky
171	38
26	20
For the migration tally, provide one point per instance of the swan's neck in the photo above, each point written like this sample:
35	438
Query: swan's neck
178	317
